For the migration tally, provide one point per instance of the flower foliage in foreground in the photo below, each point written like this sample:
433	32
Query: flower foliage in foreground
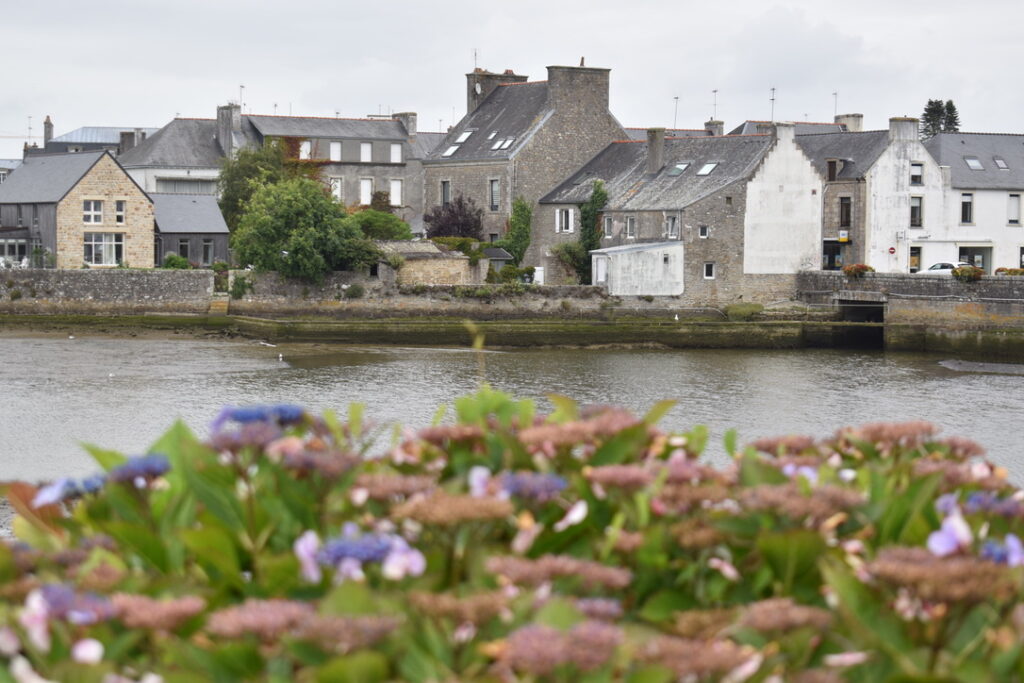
510	546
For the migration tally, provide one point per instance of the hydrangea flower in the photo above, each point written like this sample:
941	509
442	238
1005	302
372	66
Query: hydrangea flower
306	547
282	414
141	469
1010	552
953	536
55	492
808	473
535	485
403	560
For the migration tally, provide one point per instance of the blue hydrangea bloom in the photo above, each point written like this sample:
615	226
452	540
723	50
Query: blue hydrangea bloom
283	414
535	485
368	548
62	602
144	467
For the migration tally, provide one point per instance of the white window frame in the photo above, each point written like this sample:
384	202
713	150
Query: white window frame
3	176
920	211
337	184
1013	209
445	193
365	152
306	149
396	152
187	243
336	151
494	194
709	270
104	248
92	211
919	175
564	220
672	227
120	211
363	193
703	232
630	230
967	200
207	255
395	191
608	226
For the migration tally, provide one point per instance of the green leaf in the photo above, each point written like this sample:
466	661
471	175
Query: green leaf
903	520
730	441
754	472
566	409
625	446
697	439
793	556
106	459
349	598
215	489
439	415
651	674
147	545
658	411
661	606
360	667
355	420
215	551
559	613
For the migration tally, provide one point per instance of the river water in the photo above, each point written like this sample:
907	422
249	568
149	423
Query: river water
122	393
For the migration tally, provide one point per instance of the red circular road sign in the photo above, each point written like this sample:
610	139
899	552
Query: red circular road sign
892	250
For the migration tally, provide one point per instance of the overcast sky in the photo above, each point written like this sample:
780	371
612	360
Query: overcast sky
141	62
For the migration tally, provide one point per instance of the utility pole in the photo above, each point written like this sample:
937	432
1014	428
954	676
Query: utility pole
772	99
241	96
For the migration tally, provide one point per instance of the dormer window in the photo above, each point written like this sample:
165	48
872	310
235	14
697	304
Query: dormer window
974	163
678	168
707	168
463	136
833	169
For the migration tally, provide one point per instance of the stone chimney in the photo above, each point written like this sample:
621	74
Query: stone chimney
854	122
765	128
229	122
578	86
655	149
903	128
714	127
127	141
47	130
784	132
407	119
481	83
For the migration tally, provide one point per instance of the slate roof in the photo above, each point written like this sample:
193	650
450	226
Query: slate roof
511	110
46	178
183	213
425	143
497	253
321	127
949	149
641	133
417	249
858	150
623	168
10	164
104	135
182	143
799	127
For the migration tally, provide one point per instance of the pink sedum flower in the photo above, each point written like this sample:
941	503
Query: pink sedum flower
87	651
726	568
34	618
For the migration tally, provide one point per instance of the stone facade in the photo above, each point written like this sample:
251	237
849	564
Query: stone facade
472	181
833	194
454	270
108	183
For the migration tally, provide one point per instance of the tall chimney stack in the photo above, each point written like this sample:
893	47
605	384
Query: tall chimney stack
578	86
854	122
655	149
408	120
229	122
480	83
714	127
47	130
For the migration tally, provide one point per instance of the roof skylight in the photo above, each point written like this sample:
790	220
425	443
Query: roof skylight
1001	163
497	144
679	168
507	143
974	163
707	168
463	136
491	136
450	151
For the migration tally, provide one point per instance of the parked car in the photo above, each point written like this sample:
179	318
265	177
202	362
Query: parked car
943	268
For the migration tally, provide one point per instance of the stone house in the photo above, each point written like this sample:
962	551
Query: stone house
983	180
744	208
81	208
882	192
426	263
355	157
520	139
190	226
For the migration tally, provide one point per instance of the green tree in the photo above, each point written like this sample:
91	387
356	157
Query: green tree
458	218
242	175
950	118
590	235
377	225
517	241
931	119
295	228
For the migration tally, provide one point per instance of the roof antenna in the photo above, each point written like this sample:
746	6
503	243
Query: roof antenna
581	61
714	104
29	128
241	96
675	115
835	103
275	108
475	55
772	98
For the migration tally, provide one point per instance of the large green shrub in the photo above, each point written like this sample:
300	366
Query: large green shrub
582	545
176	262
